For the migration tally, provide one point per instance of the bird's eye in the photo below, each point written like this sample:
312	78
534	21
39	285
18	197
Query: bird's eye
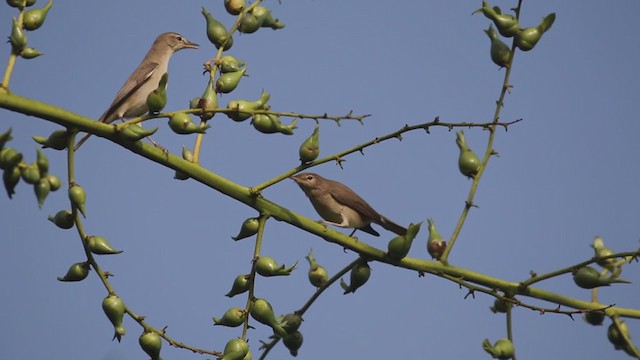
179	38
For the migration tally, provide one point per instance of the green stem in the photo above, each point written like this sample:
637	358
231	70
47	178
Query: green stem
252	275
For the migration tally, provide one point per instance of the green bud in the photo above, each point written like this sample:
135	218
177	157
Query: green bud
527	38
468	162
244	105
151	343
507	25
270	124
34	18
500	52
616	336
9	158
293	342
317	274
63	219
10	178
30	53
30	173
291	322
262	312
42	189
234	7
229	63
359	276
240	285
77	272
436	245
502	349
310	148
78	198
267	266
181	123
187	155
400	245
58	140
500	306
113	307
235	349
100	246
594	318
249	228
216	32
157	99
54	182
15	3
135	132
588	278
232	318
209	100
42	162
249	24
18	38
5	137
227	82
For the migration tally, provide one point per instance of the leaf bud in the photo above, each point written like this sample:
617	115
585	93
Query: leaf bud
78	198
240	285
216	32
100	246
360	274
34	18
317	274
310	148
151	343
62	219
293	342
113	307
232	318
181	123
157	99
468	162
77	272
249	228
267	266
436	245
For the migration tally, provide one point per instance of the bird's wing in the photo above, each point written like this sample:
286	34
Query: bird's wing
139	77
340	192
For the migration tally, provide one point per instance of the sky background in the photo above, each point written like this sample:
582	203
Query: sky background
565	174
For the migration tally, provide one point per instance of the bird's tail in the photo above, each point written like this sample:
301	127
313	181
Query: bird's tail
81	141
391	226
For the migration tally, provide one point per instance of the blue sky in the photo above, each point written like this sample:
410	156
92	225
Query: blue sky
565	174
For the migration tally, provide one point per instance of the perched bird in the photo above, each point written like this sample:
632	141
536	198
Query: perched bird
340	206
131	100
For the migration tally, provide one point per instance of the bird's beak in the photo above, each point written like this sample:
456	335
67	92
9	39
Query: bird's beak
191	45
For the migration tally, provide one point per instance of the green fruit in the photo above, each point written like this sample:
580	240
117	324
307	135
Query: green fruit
77	272
435	244
30	173
317	274
57	140
360	274
9	158
229	63
10	178
262	312
216	32
238	348
62	219
527	38
209	100
135	132
234	7
293	342
588	278
78	198
114	308
232	318
42	189
249	228
151	343
249	24
182	124
500	306
243	105
18	38
310	148
157	99
34	18
5	137
240	285
42	162
227	82
267	266
594	318
500	52
100	246
507	25
468	162
54	182
30	53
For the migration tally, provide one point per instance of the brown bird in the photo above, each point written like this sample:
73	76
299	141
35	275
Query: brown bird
340	206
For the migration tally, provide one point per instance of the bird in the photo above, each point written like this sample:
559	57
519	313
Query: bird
340	206
131	100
